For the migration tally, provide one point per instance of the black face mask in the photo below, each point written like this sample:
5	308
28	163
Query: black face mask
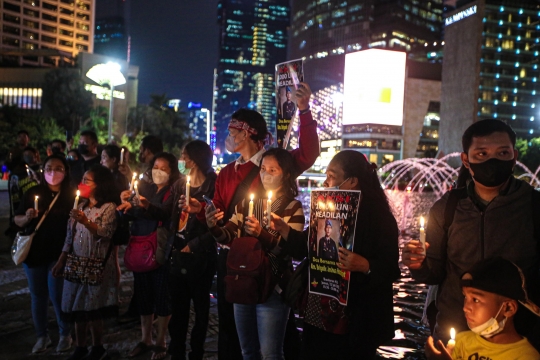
56	150
83	149
492	172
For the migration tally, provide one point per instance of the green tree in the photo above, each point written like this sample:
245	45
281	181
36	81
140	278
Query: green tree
65	98
529	152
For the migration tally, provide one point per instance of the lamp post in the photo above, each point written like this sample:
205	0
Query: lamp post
111	75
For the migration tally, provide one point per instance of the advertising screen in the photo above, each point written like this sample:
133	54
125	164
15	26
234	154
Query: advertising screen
374	87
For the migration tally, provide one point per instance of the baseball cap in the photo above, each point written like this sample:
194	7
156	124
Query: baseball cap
501	277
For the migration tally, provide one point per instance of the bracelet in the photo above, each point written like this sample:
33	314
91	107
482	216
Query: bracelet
305	111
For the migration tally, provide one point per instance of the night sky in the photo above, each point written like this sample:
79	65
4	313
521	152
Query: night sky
175	44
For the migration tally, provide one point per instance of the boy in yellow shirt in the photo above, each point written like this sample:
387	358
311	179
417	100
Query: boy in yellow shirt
493	290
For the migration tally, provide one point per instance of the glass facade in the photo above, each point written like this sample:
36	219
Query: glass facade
110	37
252	39
509	67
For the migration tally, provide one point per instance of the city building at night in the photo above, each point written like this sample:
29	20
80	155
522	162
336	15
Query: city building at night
111	34
490	68
323	32
252	39
44	33
197	120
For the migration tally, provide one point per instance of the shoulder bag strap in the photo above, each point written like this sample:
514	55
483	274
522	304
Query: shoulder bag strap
241	191
451	205
46	212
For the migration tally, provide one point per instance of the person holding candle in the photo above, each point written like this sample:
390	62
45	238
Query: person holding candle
494	290
333	331
110	158
89	234
152	213
46	247
261	327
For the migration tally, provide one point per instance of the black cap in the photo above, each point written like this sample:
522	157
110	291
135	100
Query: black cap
501	277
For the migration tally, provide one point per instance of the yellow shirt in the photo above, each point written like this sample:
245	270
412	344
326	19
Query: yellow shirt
470	346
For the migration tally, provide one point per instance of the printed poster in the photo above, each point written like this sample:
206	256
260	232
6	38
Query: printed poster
289	75
332	225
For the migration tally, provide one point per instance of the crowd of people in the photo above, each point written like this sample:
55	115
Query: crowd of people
180	223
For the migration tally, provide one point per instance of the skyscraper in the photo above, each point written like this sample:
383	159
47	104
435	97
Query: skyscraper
322	32
111	35
253	38
39	33
490	68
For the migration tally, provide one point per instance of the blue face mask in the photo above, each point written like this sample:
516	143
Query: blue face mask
337	187
182	167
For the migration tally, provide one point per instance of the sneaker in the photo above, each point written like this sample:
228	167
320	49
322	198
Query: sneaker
79	353
41	344
64	344
96	353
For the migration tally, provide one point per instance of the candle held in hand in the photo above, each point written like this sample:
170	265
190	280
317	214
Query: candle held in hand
269	207
452	342
422	235
188	187
36	203
122	156
132	181
76	203
136	188
250	209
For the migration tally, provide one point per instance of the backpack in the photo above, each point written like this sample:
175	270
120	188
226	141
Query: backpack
249	278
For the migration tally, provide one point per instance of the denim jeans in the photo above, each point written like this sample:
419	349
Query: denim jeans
261	328
43	286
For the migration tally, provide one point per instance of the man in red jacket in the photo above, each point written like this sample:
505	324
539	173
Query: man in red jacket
248	134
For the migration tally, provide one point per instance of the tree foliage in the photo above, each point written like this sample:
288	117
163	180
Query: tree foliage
529	152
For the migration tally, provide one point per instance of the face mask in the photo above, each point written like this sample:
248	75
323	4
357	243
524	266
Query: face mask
230	145
182	167
337	187
85	190
54	178
83	149
492	172
271	182
491	327
56	150
159	176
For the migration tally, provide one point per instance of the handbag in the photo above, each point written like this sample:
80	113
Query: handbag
140	255
297	286
22	243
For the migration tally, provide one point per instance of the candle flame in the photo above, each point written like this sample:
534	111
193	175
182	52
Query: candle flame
37	197
269	195
78	192
421	222
453	333
251	197
134	175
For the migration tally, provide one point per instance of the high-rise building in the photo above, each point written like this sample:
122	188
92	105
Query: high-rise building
253	38
42	32
322	32
490	68
111	35
197	120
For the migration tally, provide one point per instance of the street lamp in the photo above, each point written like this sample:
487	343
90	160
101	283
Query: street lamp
111	75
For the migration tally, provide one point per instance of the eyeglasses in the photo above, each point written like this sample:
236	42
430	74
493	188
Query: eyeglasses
56	169
87	180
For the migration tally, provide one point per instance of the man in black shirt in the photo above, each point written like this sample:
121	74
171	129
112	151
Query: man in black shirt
288	106
88	143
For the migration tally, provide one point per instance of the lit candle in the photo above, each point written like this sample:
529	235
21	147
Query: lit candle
36	203
269	207
122	156
188	187
452	342
76	203
136	188
422	236
132	181
250	209
27	171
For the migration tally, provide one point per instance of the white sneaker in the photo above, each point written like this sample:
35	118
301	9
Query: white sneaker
41	344
64	344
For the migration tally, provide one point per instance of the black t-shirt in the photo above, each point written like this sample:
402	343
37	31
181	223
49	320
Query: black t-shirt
78	168
49	239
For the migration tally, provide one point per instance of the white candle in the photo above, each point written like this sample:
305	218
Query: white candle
122	156
188	187
452	342
132	181
76	203
422	236
269	207
136	188
27	171
36	203
250	209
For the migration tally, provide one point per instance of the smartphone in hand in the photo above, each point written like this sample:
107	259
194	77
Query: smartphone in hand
209	203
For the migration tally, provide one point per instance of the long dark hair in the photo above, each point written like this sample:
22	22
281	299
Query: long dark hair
173	164
355	164
65	184
113	152
201	154
106	191
287	165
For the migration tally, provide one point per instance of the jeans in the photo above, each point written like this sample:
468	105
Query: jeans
43	286
261	328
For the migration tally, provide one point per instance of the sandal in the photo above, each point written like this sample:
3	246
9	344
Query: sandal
139	349
159	352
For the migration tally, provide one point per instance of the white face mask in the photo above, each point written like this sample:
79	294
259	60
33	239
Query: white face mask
159	176
491	327
230	143
337	187
271	182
